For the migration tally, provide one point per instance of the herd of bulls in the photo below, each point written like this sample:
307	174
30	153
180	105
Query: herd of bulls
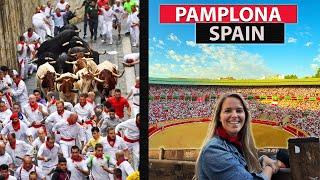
66	63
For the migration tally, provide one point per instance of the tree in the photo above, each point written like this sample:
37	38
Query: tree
317	75
291	76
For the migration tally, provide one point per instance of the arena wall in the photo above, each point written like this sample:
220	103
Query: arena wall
15	18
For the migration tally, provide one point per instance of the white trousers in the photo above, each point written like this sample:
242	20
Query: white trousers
134	149
134	33
107	30
100	23
66	147
42	30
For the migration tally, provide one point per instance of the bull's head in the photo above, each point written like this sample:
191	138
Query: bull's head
105	82
47	80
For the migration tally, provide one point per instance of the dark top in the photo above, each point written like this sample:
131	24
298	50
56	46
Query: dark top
60	175
93	12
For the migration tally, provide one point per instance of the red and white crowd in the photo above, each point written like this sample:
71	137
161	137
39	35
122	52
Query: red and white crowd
301	113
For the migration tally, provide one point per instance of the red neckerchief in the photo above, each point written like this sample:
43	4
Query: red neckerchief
30	35
137	124
21	42
53	101
76	159
233	139
61	113
111	141
47	145
34	106
137	85
83	104
58	14
16	125
120	161
13	146
99	156
89	122
17	83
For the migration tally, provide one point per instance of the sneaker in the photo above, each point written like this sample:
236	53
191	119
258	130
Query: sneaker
110	43
134	45
84	36
127	33
103	41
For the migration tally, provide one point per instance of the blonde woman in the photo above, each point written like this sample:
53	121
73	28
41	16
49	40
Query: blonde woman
229	151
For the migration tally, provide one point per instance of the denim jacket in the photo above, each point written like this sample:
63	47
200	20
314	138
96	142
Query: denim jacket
220	160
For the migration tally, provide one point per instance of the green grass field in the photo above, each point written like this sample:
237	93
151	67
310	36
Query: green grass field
270	82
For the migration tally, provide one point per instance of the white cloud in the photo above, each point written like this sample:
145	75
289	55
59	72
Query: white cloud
292	40
314	67
161	42
191	43
173	37
308	44
218	61
317	58
154	39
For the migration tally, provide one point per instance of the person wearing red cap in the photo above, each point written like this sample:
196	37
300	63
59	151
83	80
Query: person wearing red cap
17	127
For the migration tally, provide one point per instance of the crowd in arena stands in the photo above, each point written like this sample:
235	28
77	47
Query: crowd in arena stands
299	113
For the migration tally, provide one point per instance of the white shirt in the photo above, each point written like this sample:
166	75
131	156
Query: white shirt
118	10
23	174
62	7
133	18
50	154
24	119
12	178
135	95
107	15
51	108
69	131
85	112
34	116
22	134
3	117
75	173
6	159
134	56
126	169
58	21
24	49
119	144
20	93
38	19
22	148
31	39
131	130
97	172
56	118
37	143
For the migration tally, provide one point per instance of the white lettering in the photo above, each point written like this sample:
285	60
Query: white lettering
242	11
274	14
259	33
215	34
206	15
192	14
180	12
259	14
225	31
237	33
222	12
232	17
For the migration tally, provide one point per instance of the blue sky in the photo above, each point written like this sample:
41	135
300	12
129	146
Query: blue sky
173	53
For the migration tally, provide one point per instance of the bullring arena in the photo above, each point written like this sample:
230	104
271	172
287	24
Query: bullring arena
180	111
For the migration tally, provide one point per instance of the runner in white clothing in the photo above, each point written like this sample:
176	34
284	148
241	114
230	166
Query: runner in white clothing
131	136
48	156
4	114
135	92
97	161
134	22
31	36
77	165
35	113
5	158
17	149
19	91
108	15
26	168
22	48
40	139
41	25
70	132
58	116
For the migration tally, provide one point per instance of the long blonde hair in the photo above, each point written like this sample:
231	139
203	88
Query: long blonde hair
248	148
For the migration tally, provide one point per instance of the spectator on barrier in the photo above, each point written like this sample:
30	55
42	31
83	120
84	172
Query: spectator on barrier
229	151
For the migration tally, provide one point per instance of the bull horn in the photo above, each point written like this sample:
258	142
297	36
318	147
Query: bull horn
78	30
66	43
101	53
79	42
48	58
69	62
52	62
96	74
57	74
97	79
117	75
73	54
34	60
87	53
88	59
